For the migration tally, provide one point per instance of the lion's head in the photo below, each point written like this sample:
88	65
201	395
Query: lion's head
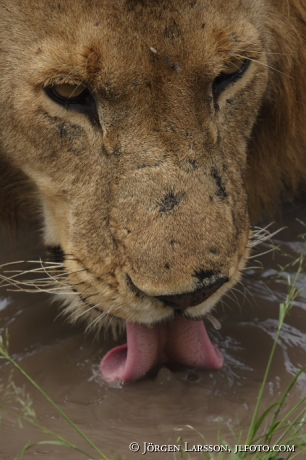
133	120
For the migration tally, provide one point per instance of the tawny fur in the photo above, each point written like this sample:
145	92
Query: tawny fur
161	183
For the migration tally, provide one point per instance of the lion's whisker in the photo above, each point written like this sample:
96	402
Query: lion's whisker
266	65
253	267
92	307
246	290
263	253
231	296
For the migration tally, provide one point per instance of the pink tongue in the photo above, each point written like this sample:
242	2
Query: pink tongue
180	341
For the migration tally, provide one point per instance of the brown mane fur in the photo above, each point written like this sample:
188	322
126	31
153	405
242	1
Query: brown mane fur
277	156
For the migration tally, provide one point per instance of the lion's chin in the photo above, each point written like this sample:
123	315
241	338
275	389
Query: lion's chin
179	341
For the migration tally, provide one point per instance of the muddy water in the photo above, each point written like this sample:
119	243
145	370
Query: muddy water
65	363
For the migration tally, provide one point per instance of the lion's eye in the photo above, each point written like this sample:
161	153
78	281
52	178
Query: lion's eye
69	91
231	73
68	94
76	98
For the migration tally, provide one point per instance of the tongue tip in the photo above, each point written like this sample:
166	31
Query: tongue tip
119	366
113	364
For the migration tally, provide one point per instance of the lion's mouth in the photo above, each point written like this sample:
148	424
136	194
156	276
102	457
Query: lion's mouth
179	341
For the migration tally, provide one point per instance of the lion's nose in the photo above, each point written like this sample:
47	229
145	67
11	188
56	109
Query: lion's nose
191	299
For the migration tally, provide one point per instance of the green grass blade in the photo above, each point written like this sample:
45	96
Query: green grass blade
4	354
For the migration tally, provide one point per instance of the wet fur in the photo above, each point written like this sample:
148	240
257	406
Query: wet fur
160	185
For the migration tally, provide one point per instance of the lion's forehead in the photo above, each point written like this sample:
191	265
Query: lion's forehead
150	67
117	45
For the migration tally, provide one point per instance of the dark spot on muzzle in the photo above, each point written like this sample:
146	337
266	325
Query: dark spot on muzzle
170	201
62	131
221	192
192	163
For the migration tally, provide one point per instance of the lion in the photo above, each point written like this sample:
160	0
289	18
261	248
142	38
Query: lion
148	135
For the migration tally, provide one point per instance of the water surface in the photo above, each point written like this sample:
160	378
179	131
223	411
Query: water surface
65	363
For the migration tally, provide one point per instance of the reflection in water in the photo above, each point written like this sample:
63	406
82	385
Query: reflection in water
4	303
65	362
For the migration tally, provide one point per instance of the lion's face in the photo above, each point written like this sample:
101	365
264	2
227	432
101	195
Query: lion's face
132	118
